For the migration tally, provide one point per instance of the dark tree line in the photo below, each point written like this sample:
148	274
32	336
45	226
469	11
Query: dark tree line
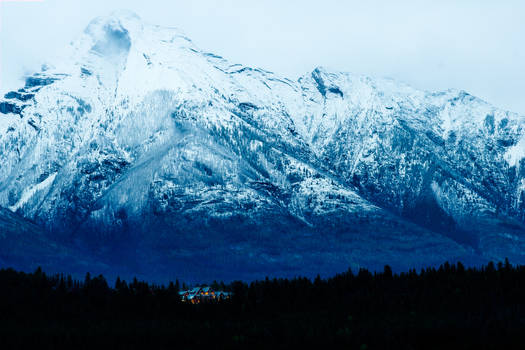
451	307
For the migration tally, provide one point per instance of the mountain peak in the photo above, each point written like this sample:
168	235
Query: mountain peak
124	17
117	23
142	135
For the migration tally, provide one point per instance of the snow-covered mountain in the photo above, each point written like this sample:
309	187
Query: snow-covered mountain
141	150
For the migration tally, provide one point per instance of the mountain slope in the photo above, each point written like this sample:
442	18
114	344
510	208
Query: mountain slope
144	151
25	245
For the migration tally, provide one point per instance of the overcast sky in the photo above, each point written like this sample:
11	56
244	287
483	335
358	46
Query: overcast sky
477	46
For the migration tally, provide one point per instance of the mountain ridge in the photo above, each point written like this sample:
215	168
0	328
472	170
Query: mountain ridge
143	148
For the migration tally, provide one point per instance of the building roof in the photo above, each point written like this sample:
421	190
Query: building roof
194	292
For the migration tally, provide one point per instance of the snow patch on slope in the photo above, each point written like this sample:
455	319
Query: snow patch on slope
30	192
516	153
5	123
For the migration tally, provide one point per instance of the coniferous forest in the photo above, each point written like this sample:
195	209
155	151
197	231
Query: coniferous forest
450	307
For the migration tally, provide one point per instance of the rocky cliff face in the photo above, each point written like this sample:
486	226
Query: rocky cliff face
144	151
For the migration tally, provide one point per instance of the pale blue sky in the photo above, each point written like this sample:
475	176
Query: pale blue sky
477	46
